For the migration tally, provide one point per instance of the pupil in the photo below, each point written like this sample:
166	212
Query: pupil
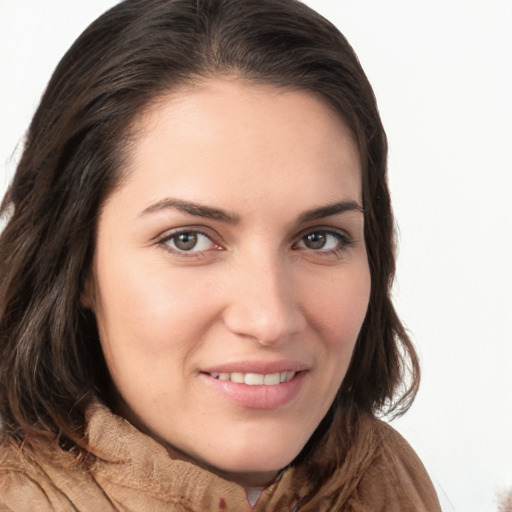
315	240
186	241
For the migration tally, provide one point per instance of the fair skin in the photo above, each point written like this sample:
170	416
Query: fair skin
230	276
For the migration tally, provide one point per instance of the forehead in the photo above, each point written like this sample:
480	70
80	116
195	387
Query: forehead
228	138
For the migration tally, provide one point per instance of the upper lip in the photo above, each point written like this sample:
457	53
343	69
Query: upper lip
260	367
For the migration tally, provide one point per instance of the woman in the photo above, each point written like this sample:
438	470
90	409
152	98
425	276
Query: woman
196	274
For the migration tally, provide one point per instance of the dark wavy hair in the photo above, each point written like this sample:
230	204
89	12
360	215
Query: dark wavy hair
51	363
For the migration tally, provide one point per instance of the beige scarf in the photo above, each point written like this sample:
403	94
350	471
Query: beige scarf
363	468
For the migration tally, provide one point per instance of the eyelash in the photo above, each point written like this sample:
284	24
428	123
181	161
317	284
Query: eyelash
165	240
343	239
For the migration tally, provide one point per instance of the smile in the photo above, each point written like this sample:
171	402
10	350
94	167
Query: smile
255	379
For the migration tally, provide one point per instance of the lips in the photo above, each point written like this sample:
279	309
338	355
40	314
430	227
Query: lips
256	385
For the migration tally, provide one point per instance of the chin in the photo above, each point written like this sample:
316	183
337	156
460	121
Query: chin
263	459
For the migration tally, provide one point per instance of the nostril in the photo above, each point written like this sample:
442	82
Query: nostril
267	325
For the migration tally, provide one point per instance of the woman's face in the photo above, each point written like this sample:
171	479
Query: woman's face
230	275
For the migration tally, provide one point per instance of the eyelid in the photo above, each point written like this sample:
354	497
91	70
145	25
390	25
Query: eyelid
346	241
202	230
161	240
326	229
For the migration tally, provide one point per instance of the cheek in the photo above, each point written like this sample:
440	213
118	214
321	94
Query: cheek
145	311
337	314
148	327
339	308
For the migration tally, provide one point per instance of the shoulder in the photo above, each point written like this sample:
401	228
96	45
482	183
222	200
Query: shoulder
23	483
396	477
42	480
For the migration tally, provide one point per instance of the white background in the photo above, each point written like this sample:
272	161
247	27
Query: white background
442	72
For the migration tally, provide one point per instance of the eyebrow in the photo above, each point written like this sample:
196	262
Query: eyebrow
195	209
209	212
328	211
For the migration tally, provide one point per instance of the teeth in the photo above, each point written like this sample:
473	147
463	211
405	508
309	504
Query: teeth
289	376
237	377
255	379
272	379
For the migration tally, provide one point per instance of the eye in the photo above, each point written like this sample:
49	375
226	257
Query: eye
324	241
188	241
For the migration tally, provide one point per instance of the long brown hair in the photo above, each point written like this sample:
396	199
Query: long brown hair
51	364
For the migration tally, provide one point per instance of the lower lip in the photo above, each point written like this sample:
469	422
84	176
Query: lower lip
257	397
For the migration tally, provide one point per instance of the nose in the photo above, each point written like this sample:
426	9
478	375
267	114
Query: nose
262	303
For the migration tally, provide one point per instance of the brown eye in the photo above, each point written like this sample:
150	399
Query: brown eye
315	240
324	241
185	241
188	241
